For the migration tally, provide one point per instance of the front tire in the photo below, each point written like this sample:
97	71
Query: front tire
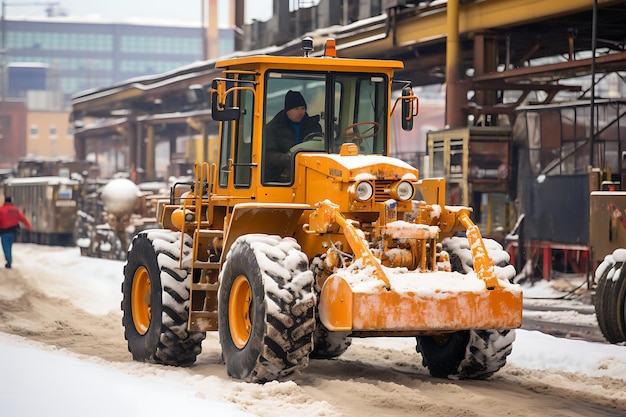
266	309
469	354
155	300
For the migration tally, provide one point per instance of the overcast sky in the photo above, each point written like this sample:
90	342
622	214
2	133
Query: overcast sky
121	10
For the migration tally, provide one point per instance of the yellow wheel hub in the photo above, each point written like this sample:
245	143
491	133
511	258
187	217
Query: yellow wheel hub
239	311
141	300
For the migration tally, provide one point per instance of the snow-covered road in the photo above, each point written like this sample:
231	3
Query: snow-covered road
62	352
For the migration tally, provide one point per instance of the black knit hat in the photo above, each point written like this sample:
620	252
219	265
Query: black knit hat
294	99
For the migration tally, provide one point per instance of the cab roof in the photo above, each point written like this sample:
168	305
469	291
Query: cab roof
309	63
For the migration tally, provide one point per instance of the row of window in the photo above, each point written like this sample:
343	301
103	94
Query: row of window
101	42
162	45
59	41
52	132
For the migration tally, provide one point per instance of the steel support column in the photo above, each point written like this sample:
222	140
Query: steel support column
150	154
454	100
80	148
137	174
485	62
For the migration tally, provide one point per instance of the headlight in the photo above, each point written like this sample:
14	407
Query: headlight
403	191
364	191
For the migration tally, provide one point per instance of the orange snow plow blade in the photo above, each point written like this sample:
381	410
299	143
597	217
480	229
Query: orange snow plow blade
424	302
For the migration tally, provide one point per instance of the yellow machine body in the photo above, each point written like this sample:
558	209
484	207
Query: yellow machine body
384	271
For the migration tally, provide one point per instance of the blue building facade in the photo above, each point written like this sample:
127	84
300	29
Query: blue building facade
81	55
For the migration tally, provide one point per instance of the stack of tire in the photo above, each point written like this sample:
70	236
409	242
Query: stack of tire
610	297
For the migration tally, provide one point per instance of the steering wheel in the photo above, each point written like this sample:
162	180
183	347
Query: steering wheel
314	141
313	136
351	135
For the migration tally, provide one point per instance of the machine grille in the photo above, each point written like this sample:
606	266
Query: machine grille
381	190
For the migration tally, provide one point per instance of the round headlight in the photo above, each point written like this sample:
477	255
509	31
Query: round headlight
404	191
364	191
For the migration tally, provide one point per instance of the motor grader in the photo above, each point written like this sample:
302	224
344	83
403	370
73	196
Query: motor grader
347	242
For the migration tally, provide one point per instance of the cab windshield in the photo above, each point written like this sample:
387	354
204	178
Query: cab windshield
318	112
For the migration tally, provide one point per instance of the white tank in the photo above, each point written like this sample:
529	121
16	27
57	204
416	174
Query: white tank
119	196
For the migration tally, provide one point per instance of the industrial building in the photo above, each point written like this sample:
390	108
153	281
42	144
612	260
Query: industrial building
50	59
79	55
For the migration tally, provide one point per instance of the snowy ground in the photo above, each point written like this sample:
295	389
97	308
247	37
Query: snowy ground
62	353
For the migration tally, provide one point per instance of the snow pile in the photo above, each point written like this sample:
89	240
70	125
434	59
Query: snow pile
66	384
537	350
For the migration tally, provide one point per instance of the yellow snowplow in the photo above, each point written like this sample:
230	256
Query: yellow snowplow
290	249
371	297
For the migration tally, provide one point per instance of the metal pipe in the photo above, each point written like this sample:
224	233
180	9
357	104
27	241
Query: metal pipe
454	114
592	112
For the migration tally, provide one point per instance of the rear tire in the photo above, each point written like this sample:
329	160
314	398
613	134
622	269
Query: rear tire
329	345
155	300
266	309
443	354
469	354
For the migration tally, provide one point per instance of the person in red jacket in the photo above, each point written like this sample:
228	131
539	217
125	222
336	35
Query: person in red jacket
10	217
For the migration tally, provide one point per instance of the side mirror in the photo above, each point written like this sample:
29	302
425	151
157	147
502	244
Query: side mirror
409	107
219	110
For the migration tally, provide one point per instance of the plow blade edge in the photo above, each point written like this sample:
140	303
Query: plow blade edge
424	305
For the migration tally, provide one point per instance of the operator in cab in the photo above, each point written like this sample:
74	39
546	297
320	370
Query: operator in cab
288	128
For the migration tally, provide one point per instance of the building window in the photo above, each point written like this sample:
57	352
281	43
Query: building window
34	131
44	40
161	44
53	132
